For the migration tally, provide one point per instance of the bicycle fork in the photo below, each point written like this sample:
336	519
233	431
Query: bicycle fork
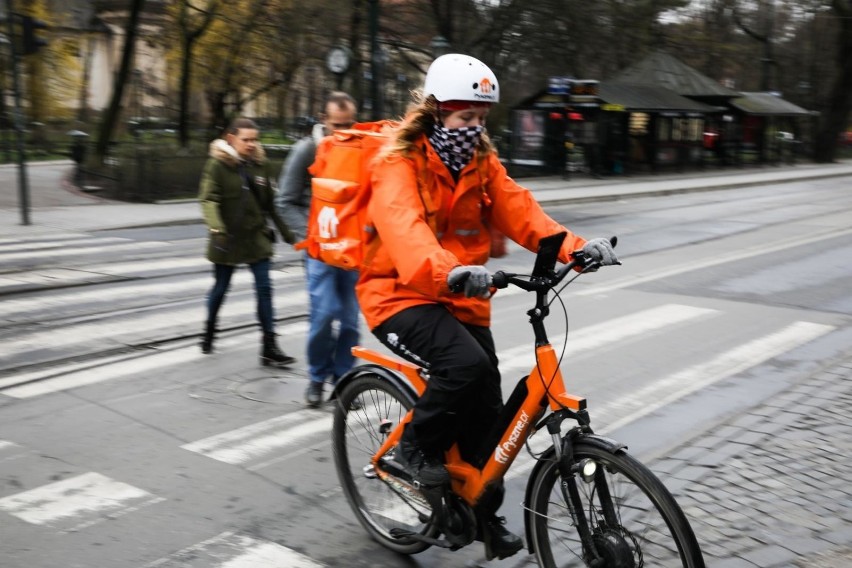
589	471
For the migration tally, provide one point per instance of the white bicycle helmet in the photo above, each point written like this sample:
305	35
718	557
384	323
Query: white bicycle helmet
457	77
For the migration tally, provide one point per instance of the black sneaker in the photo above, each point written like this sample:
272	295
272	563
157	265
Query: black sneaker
424	471
499	542
313	394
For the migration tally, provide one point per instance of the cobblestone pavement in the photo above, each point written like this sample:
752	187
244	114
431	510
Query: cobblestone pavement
773	487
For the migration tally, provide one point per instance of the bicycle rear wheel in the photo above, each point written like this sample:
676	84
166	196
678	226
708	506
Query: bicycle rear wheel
649	529
367	410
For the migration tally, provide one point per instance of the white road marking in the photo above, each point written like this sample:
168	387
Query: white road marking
10	451
732	256
115	329
665	391
81	250
198	285
77	502
116	370
633	405
608	332
56	244
255	441
232	550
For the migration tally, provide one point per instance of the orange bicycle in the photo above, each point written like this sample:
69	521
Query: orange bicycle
587	502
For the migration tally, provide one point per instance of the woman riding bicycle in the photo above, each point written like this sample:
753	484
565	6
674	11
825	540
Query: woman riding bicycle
437	188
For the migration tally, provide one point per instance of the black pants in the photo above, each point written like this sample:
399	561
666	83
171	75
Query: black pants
463	398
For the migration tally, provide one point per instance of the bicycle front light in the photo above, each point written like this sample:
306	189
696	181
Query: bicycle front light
587	468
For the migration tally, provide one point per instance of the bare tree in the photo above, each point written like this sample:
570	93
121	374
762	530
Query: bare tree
113	111
192	27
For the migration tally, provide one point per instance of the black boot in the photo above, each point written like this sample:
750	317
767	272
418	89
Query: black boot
207	338
271	355
499	542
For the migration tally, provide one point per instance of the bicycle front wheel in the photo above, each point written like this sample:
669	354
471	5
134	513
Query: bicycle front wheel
368	409
644	525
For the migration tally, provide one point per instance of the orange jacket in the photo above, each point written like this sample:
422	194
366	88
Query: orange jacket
411	264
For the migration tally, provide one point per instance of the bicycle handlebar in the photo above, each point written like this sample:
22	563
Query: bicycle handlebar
502	279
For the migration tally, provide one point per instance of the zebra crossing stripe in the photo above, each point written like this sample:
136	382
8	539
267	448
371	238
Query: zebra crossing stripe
253	442
197	285
723	258
678	385
633	405
60	277
80	251
77	502
114	330
113	370
232	550
55	244
608	332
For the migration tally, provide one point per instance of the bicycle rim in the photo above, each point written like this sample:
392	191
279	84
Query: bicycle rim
367	410
651	530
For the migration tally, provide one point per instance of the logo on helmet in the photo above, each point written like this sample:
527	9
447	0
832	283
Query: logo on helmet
486	89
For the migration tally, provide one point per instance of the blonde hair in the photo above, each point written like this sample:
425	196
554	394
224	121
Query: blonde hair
419	119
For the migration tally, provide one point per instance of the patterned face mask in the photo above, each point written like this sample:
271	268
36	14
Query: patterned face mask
455	146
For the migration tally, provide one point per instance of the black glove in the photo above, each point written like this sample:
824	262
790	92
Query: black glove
475	279
289	237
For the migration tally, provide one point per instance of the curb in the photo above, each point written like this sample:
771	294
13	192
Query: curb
617	196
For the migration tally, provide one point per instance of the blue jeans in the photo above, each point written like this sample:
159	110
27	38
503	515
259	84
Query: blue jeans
332	296
262	290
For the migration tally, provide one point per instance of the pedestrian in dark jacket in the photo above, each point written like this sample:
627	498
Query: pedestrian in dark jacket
236	195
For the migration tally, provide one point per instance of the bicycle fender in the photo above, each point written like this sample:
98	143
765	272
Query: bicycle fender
604	443
391	376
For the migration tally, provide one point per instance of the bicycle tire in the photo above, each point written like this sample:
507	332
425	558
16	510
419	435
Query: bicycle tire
356	437
652	529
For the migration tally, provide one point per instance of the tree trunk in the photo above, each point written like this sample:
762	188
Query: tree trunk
183	106
835	118
113	112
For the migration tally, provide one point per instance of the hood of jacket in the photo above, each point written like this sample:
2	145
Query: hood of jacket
225	153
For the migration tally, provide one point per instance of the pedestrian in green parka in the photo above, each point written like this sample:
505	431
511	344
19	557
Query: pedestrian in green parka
237	195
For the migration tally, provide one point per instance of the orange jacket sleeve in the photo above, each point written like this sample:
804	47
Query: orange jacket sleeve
516	213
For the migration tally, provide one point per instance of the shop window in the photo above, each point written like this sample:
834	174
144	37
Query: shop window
696	129
639	123
664	129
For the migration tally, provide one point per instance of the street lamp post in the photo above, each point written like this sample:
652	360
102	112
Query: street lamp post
375	63
23	184
439	46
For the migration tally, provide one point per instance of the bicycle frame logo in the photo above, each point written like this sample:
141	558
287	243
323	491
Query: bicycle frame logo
328	222
504	451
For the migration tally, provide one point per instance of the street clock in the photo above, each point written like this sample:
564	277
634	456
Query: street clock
337	60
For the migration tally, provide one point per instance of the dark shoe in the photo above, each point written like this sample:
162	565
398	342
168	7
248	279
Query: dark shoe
499	542
313	395
271	355
207	338
424	471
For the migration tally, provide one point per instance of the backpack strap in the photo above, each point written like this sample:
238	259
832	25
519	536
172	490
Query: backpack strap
423	176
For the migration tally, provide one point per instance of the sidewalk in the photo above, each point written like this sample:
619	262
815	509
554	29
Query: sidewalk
772	487
59	206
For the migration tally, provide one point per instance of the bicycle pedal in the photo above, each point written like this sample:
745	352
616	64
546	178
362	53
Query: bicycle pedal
405	533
